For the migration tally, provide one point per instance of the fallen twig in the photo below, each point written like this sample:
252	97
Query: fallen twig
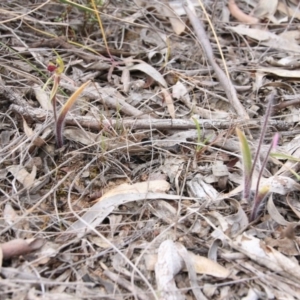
165	124
224	80
240	15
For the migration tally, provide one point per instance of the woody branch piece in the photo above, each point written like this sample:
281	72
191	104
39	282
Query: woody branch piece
41	115
224	80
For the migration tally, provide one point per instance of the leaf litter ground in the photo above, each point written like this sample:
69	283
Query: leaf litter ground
145	198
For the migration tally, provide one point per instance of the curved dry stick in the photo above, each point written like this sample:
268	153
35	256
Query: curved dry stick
223	79
240	15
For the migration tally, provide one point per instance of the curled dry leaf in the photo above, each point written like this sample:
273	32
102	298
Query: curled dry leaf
20	173
28	131
156	58
122	194
207	266
149	70
45	253
266	256
267	38
180	91
169	102
191	271
20	247
239	220
275	214
201	264
198	188
172	167
177	24
240	15
164	211
294	205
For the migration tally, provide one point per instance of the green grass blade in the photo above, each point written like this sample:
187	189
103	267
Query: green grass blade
247	162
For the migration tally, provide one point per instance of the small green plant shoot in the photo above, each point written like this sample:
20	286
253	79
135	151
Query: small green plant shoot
249	166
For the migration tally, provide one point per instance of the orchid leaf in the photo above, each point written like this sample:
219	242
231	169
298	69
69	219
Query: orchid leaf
247	162
67	106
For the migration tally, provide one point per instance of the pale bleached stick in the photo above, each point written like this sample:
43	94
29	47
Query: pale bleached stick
223	79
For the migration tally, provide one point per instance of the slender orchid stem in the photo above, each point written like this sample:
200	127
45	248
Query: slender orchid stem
270	99
261	194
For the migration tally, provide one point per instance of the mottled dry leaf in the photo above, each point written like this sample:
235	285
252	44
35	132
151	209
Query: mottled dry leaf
285	246
292	148
282	184
213	250
9	214
172	167
293	36
20	173
45	253
180	91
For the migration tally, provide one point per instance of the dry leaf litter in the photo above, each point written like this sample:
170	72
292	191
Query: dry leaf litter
144	199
